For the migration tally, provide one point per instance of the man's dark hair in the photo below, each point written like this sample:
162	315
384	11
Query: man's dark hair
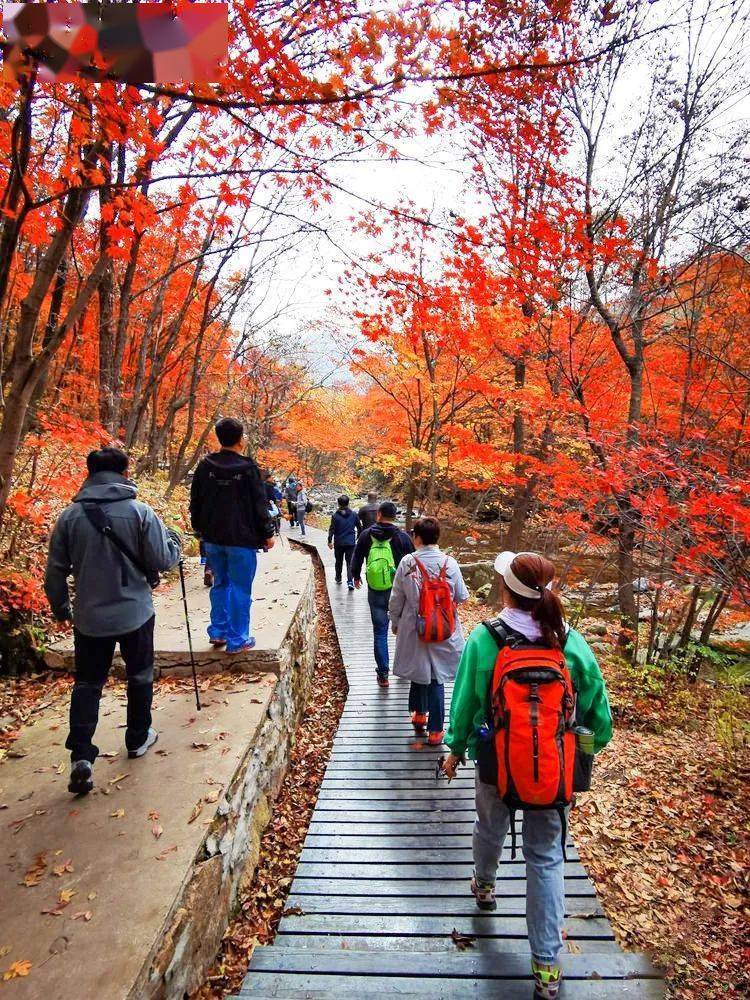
270	475
372	496
229	432
343	500
107	460
387	510
428	529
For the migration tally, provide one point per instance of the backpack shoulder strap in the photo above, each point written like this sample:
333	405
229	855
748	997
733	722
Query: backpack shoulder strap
503	634
103	525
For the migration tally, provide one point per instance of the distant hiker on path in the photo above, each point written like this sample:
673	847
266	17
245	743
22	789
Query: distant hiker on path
382	546
342	537
229	511
302	503
112	603
530	707
290	495
368	513
274	497
429	639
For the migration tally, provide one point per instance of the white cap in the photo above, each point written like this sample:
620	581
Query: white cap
503	566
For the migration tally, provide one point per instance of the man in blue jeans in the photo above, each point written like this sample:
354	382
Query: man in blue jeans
229	511
401	544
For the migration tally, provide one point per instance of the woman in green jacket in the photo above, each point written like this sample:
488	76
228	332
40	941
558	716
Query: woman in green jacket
533	610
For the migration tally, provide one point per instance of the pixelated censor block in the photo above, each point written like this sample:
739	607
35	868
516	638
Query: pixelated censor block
134	42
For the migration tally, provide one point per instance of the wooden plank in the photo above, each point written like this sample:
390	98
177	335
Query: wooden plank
513	965
385	854
302	986
393	870
430	945
479	925
584	908
403	888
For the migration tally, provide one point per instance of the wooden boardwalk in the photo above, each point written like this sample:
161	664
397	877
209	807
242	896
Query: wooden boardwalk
383	879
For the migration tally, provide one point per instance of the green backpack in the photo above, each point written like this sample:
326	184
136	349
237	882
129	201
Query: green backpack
381	566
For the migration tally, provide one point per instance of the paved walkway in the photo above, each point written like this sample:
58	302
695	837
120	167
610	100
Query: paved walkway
382	883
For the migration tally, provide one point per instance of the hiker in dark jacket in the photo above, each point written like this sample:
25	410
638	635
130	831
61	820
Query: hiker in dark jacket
368	513
229	511
290	495
112	604
382	547
342	537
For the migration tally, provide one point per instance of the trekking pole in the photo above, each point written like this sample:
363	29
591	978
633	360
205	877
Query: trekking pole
190	638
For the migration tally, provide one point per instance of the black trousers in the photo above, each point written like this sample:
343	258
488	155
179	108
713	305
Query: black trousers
341	553
291	506
93	660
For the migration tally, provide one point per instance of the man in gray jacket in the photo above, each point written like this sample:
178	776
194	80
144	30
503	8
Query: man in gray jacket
112	602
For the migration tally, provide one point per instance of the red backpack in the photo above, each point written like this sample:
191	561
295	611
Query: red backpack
532	702
437	611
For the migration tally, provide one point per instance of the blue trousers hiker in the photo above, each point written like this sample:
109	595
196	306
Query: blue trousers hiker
231	594
378	601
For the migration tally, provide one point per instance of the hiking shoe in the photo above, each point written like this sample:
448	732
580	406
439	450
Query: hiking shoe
350	585
419	721
339	580
547	980
218	643
81	780
484	893
244	648
382	680
151	738
435	739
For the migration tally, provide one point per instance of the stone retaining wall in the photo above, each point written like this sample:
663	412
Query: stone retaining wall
192	933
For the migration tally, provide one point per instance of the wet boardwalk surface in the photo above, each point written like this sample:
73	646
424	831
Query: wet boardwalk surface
382	887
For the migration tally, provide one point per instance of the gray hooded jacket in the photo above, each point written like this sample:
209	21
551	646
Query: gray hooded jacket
103	606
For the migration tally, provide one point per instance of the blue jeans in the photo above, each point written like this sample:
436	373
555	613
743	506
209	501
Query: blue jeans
542	851
378	601
301	518
231	594
424	698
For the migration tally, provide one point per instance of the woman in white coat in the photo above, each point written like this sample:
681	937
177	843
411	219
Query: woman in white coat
428	665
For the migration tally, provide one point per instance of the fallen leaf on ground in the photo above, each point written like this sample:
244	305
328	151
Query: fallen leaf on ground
60	870
293	911
35	873
200	746
157	829
212	796
5	950
462	941
197	809
91	895
153	814
67	894
572	947
119	777
117	814
165	852
83	915
21	968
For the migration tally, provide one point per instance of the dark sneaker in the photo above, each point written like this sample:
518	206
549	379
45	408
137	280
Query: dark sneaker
484	893
81	780
152	737
547	979
339	580
244	648
382	680
350	585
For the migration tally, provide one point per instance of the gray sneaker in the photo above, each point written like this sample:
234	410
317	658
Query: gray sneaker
81	781
152	737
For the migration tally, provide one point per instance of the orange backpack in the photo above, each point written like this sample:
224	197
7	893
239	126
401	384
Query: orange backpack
436	619
532	702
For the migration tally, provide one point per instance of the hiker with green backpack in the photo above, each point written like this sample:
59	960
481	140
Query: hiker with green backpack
382	547
530	708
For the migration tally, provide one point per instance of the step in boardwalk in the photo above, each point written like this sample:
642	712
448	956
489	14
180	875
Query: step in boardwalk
382	883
